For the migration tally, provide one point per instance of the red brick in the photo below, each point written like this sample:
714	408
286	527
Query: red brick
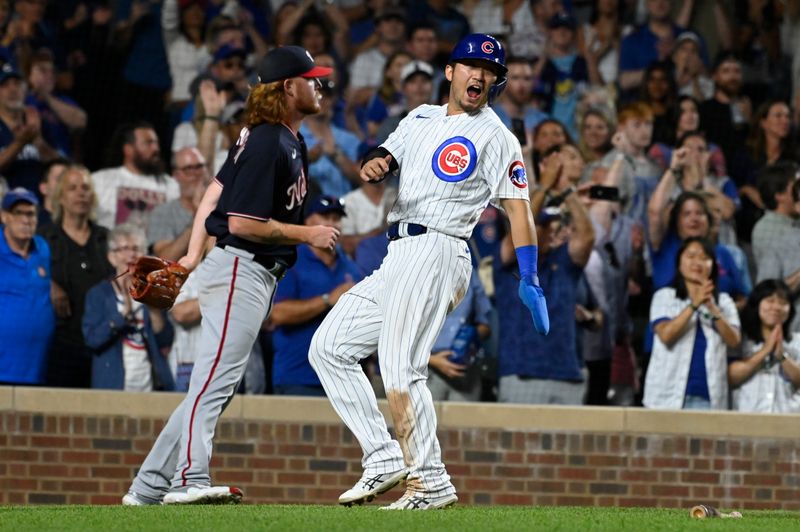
516	472
49	441
297	450
555	459
703	492
762	480
737	493
111	472
86	486
606	460
635	502
513	499
20	484
665	463
227	476
577	473
787	495
74	498
728	464
545	486
80	457
571	500
639	461
701	464
639	475
296	478
576	487
50	470
267	463
669	491
459	470
605	501
699	477
483	484
19	455
18	440
298	464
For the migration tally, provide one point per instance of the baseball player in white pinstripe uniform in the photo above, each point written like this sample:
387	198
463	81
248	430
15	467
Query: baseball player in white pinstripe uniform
453	160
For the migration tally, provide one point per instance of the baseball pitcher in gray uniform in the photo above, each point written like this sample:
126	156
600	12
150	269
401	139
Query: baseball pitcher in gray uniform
453	159
254	210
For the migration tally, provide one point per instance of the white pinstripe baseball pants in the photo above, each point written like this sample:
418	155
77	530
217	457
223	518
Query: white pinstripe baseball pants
398	311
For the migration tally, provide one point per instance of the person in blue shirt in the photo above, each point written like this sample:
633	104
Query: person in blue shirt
564	74
534	368
60	114
332	151
303	298
651	42
27	319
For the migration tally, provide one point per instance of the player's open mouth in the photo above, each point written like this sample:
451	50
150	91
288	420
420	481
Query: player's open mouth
474	91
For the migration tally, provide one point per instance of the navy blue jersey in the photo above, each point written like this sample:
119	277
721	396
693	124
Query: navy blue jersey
263	178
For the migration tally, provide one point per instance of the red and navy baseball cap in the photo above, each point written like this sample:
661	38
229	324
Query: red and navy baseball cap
19	195
289	62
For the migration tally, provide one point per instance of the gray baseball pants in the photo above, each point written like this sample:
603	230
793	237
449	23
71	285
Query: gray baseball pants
235	298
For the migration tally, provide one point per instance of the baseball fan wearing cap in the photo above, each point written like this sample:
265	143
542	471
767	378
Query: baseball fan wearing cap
455	159
253	209
27	319
304	297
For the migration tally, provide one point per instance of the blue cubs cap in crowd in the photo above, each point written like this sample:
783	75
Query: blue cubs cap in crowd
324	205
18	195
7	72
547	215
562	19
287	62
226	51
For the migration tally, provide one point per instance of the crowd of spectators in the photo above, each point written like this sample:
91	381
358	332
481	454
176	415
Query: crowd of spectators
660	141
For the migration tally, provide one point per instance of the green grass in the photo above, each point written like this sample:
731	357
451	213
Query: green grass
331	518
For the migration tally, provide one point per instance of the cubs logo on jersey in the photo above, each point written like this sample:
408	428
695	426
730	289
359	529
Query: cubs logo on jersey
454	160
517	174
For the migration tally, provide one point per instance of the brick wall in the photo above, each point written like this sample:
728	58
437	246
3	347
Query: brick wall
74	458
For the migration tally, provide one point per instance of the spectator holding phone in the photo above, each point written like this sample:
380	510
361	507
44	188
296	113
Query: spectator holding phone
767	376
694	324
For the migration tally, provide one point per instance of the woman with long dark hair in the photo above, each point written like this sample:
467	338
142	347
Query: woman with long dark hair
767	376
694	324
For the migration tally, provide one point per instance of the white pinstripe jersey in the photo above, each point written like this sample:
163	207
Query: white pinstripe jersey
452	166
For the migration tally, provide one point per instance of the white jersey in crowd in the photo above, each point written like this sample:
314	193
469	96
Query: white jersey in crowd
473	151
125	197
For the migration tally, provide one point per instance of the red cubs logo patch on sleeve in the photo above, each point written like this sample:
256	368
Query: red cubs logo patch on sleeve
518	175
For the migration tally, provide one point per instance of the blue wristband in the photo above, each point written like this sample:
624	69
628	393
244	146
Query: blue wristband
527	259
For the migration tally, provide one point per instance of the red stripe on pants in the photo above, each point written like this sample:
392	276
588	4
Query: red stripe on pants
211	373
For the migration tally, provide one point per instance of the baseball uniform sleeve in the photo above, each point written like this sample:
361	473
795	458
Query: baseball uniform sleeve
396	143
254	174
504	169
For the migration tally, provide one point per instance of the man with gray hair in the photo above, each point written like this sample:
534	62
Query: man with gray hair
171	223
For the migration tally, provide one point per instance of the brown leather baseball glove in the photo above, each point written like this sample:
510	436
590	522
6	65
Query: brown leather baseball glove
156	282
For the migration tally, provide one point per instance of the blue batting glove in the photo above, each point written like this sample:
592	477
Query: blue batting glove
532	296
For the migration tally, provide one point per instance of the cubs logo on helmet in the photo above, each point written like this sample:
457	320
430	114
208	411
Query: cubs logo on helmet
487	47
518	175
454	159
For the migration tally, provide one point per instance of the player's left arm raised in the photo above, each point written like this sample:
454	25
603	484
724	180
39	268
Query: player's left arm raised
523	235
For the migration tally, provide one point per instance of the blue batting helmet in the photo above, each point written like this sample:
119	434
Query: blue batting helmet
483	47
